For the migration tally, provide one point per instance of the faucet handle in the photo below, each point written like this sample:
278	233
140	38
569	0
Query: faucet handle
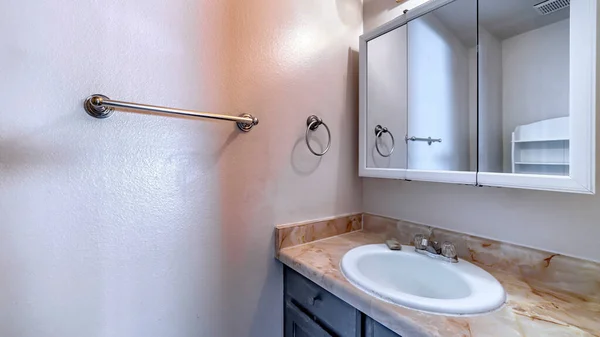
449	250
420	241
433	247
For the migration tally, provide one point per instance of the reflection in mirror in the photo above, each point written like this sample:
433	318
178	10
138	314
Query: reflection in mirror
442	89
524	86
386	100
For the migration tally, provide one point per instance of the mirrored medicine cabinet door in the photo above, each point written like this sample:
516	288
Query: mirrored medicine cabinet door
419	94
537	94
482	92
441	136
386	102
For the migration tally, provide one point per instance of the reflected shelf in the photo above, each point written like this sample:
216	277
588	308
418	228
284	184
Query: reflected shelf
532	163
542	140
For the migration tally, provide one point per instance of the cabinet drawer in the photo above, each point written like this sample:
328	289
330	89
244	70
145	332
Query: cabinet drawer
298	324
329	311
374	329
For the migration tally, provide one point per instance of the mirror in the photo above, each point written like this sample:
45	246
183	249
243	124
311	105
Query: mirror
442	89
386	100
524	87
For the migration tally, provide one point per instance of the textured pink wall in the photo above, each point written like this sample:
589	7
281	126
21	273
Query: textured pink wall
144	225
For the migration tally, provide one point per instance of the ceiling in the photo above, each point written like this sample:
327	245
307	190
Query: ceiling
501	18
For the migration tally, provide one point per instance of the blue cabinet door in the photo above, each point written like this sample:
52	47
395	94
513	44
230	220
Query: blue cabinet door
311	311
298	324
337	317
374	329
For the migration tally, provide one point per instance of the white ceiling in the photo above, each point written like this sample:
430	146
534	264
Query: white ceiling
502	18
507	18
460	17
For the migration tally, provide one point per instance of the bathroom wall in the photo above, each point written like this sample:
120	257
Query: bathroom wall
535	73
490	103
558	222
473	71
146	225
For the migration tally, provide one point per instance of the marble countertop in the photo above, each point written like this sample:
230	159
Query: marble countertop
530	310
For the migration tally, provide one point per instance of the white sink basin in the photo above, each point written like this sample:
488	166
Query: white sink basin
419	282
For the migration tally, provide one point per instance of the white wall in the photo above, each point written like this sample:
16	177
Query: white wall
473	72
437	67
144	225
535	73
546	220
490	103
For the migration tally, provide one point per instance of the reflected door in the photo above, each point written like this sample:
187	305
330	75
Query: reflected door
442	89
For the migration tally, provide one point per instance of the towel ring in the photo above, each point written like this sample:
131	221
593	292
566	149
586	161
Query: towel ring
312	124
379	131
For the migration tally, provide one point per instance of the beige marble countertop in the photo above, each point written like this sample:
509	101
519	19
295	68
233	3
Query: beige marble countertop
530	310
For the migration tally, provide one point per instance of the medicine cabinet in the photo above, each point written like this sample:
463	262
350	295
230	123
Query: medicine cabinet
484	93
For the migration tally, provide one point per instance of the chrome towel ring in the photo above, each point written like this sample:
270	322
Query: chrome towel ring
312	124
379	131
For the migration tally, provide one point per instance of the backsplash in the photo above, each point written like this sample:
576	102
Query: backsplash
555	271
298	233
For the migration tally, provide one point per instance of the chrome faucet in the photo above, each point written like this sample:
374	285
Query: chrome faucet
445	252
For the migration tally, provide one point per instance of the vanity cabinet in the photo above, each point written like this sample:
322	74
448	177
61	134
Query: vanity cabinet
482	93
374	329
299	324
311	311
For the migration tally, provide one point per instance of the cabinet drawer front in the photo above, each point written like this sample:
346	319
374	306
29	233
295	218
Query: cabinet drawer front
329	311
298	324
374	329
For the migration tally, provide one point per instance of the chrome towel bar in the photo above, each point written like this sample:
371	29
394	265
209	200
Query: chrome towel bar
429	140
100	106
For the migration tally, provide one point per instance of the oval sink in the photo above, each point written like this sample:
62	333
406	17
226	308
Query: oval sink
412	280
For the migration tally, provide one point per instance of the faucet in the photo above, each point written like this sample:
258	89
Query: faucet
445	252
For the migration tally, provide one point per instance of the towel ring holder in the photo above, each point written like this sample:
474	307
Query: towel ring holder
312	124
379	131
